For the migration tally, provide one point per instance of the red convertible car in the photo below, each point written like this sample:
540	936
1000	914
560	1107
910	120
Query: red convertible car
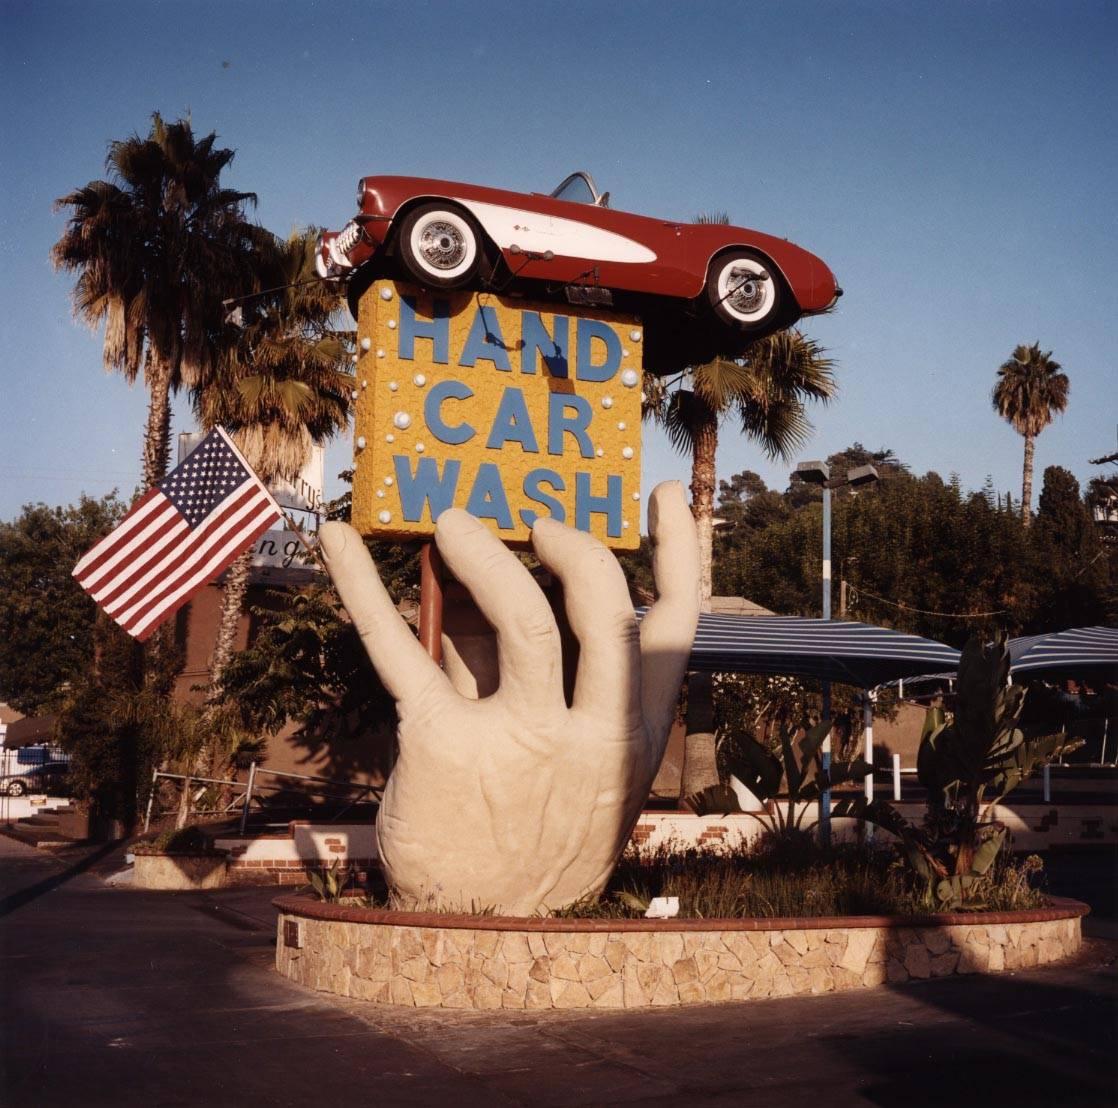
730	283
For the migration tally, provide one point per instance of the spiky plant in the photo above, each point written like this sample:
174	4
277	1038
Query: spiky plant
967	764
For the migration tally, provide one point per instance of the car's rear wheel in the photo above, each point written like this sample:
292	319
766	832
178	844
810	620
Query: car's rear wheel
15	788
440	246
743	290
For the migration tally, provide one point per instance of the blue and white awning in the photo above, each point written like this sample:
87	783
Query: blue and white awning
1079	648
849	653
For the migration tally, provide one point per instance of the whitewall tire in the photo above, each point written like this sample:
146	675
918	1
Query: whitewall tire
744	290
440	246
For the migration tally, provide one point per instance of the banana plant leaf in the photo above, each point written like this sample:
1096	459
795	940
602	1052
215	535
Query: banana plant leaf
757	769
714	800
840	773
1022	762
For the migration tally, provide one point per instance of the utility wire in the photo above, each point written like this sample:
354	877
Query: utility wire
924	611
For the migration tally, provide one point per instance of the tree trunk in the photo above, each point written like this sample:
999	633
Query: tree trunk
157	435
232	601
700	758
702	497
1027	483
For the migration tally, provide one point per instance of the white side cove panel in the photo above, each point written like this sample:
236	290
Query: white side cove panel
568	237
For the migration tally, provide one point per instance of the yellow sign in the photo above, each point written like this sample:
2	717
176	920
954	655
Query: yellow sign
508	409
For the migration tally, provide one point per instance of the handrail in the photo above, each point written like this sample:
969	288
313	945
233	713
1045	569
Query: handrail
252	784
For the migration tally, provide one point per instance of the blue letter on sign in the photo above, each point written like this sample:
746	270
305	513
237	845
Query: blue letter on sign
536	340
513	424
559	422
427	488
585	369
484	342
487	498
533	491
412	328
608	505
432	414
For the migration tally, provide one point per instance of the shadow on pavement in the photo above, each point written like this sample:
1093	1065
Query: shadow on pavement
14	901
993	1040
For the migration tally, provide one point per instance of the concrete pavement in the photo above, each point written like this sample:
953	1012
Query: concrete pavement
121	997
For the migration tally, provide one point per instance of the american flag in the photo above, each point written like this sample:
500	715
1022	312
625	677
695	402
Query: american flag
178	537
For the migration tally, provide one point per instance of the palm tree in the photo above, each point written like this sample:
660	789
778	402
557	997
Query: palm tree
156	247
280	390
1029	391
766	389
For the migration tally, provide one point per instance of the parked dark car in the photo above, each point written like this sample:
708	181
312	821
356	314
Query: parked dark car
47	777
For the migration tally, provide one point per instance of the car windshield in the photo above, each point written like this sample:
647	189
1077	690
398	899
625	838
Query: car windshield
580	189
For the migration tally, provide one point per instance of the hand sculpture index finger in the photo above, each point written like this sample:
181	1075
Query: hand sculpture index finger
406	669
529	654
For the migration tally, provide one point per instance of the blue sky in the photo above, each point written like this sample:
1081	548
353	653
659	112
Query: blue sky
954	163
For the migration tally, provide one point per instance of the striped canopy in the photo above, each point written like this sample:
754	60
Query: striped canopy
849	653
1080	648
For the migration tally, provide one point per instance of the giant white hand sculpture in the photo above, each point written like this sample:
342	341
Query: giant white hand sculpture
517	801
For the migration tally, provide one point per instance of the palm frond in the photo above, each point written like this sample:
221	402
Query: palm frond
683	414
723	383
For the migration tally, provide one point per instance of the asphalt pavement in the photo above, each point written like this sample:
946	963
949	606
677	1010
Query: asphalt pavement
114	996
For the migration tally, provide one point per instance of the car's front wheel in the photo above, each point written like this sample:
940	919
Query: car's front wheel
15	788
743	290
440	246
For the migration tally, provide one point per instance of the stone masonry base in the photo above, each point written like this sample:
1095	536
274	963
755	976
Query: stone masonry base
429	960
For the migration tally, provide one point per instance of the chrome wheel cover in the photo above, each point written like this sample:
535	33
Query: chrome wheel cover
748	294
441	245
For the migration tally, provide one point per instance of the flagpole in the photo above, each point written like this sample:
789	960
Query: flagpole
311	550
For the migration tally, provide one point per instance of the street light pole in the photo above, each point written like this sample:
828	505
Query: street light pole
825	795
819	473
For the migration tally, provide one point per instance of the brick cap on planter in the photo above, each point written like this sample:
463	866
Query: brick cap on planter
1061	908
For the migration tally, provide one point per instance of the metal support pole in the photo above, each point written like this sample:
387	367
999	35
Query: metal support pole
825	795
1046	775
151	799
826	552
896	778
431	601
825	752
867	724
248	796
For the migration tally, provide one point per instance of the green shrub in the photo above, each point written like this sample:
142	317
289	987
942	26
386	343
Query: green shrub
788	875
188	840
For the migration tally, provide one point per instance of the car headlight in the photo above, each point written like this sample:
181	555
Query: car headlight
360	193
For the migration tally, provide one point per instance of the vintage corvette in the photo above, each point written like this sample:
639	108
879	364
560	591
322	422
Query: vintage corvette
728	283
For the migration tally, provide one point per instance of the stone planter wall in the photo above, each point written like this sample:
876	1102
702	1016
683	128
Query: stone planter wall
286	858
430	960
178	871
